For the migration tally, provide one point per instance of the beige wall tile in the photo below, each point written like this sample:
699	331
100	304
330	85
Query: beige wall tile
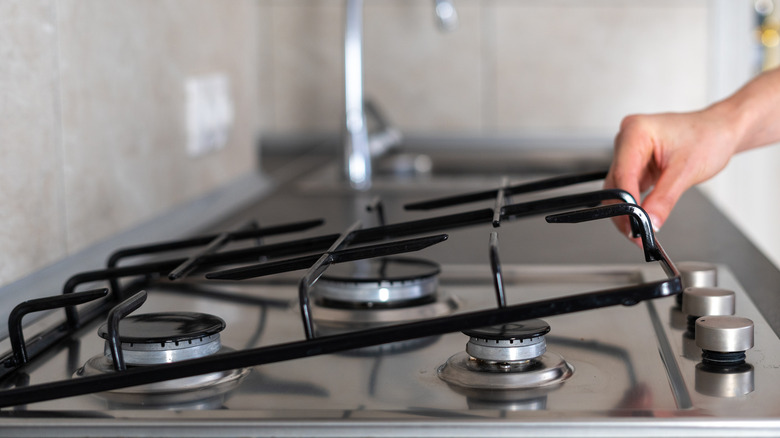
31	218
123	69
566	65
308	64
265	75
424	79
512	66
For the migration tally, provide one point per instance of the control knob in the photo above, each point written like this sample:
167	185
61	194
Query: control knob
724	339
706	301
697	274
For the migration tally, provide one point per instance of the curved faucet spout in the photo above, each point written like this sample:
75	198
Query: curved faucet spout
357	155
359	144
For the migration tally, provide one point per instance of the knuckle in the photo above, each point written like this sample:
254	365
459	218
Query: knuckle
632	121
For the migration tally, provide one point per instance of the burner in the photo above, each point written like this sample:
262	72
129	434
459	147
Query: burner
383	283
506	357
508	343
160	338
157	338
375	292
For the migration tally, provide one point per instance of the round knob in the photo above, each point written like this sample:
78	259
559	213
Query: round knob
698	274
724	339
706	301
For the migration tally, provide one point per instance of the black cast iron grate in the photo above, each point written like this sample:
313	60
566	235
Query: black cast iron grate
333	248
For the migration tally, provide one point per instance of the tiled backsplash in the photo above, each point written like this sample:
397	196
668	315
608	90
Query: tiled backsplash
512	65
93	133
92	138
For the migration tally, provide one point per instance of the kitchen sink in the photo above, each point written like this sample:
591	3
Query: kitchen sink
466	163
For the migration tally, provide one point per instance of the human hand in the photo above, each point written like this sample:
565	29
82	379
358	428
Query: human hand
667	154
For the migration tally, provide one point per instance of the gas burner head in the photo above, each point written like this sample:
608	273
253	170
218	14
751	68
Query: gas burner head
376	292
158	338
378	283
508	343
506	357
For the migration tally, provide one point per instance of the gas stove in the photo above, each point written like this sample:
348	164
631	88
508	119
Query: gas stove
425	325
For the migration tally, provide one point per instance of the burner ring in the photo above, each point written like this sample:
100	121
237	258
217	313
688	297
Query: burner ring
154	353
506	350
388	281
376	294
512	342
165	337
349	319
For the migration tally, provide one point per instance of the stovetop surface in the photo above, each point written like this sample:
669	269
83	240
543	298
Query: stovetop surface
618	370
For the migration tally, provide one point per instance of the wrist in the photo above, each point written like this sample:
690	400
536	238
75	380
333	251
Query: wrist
747	117
731	119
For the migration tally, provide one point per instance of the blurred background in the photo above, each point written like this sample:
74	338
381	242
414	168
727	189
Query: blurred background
101	98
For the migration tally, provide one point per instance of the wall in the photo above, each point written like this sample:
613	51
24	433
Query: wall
511	66
92	131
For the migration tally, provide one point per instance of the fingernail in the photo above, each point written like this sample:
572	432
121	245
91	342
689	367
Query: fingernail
655	222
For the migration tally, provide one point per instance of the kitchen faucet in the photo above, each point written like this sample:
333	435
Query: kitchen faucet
360	145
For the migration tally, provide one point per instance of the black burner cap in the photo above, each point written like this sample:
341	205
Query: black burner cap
166	327
512	331
382	269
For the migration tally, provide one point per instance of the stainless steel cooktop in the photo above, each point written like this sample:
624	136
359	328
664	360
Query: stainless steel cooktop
630	364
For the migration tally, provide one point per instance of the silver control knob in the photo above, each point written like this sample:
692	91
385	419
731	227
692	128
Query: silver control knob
698	274
724	339
706	301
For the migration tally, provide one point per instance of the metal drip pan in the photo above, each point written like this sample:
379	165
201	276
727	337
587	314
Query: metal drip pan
184	390
548	369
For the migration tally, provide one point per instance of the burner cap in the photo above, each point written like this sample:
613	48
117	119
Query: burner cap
513	331
155	338
382	282
165	327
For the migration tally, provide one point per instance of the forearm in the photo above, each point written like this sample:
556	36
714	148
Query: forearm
752	114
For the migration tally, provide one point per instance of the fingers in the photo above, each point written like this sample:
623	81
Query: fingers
632	157
667	191
620	222
668	153
631	163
